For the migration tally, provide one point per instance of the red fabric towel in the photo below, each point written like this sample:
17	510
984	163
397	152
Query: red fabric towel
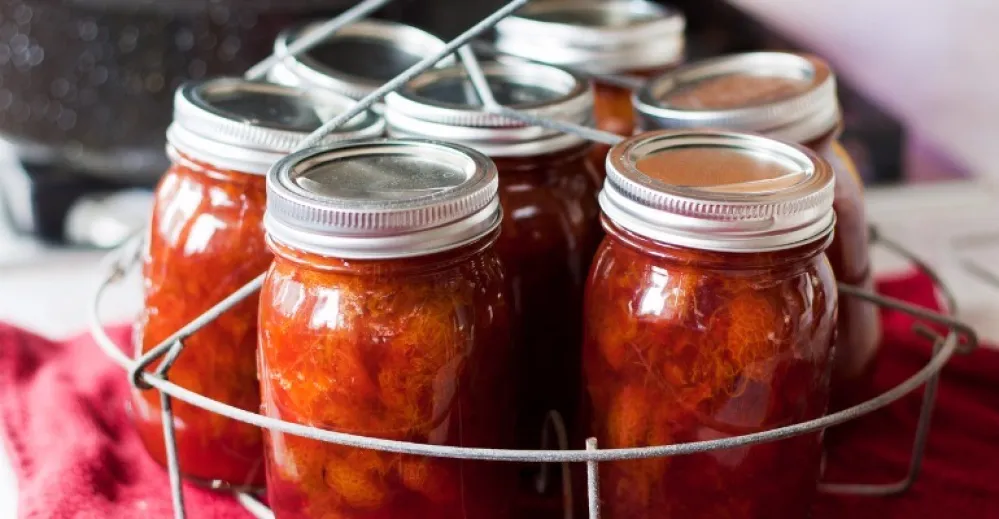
960	475
74	452
62	420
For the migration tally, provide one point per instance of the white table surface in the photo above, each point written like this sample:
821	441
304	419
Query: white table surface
46	290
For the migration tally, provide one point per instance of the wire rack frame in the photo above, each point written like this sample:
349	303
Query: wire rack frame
119	262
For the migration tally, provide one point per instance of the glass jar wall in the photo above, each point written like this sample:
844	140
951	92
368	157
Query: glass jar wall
385	314
547	187
187	267
698	328
206	240
789	97
549	234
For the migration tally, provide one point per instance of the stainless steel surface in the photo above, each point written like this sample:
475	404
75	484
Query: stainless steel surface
747	194
384	199
789	97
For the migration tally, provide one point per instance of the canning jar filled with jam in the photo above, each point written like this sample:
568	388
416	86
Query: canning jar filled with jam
385	314
789	97
603	37
548	190
355	60
206	240
710	313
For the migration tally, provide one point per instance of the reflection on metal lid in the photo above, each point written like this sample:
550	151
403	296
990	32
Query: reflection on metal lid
783	95
718	190
356	60
443	104
604	36
245	125
386	198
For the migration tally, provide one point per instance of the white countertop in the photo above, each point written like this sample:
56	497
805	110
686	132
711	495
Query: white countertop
46	290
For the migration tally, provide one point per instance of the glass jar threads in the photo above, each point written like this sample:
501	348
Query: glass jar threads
548	188
385	314
355	60
636	37
790	97
710	312
206	240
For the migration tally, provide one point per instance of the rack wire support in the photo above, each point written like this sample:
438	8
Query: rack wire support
120	261
490	104
315	36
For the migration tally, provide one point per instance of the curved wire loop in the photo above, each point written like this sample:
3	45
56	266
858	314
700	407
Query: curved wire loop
122	259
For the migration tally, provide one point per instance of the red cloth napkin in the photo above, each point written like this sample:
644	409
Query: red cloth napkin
960	475
75	455
62	421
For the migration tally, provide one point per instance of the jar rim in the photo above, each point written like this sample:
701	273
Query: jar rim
387	198
599	36
439	104
772	196
238	124
805	113
308	71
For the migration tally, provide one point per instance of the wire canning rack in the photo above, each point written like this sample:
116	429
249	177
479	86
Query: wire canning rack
958	338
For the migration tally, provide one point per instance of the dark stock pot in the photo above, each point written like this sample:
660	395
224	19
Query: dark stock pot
88	84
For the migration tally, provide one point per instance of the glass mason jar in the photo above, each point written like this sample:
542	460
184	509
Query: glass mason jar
793	98
385	314
206	240
602	37
710	313
550	229
548	190
355	60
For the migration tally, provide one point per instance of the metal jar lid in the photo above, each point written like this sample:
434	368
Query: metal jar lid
388	198
599	36
718	191
357	59
782	95
246	126
442	104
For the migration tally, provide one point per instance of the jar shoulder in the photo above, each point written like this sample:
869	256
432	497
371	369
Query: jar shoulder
794	300
211	217
369	297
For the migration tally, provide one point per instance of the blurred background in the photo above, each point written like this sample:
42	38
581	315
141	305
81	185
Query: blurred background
86	92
